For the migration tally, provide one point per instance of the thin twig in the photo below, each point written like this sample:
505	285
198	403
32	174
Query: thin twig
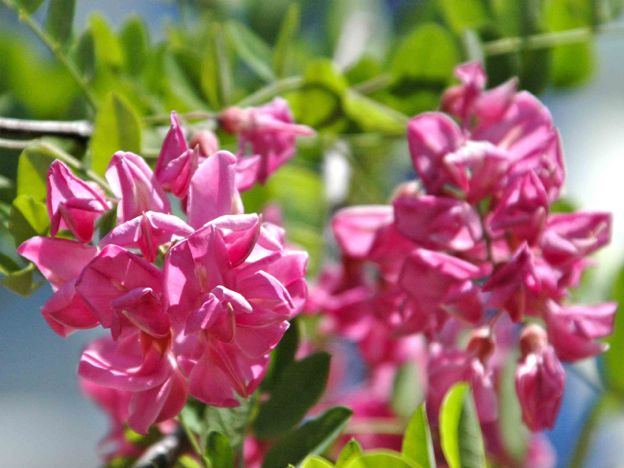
278	87
165	452
549	39
55	48
79	129
16	144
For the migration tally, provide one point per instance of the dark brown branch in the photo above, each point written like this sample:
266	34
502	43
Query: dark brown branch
165	452
78	129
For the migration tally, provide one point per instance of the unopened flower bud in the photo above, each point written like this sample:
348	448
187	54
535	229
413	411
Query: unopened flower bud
207	142
533	339
235	120
481	344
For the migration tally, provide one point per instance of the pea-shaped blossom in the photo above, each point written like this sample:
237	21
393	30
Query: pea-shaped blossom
73	204
540	380
136	187
230	289
267	135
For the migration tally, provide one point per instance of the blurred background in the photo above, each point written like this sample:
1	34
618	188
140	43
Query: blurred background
44	419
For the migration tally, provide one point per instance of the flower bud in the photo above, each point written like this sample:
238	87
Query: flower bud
540	380
481	344
207	142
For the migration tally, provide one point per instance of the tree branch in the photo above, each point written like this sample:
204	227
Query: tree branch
78	129
165	452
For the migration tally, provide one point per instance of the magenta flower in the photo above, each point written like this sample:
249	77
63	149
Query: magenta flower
72	203
573	330
438	222
446	367
133	182
213	191
147	232
540	380
61	262
124	293
231	286
268	132
145	368
438	284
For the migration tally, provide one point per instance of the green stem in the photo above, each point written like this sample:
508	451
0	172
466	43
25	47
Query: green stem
55	48
549	39
191	437
274	89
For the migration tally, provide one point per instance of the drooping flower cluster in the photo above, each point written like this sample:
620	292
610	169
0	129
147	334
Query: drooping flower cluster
191	306
471	252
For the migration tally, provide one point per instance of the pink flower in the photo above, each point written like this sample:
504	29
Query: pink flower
515	285
213	191
231	286
138	190
267	131
573	330
147	232
568	238
447	367
432	136
356	228
437	222
124	293
72	203
61	262
540	380
145	368
540	453
439	283
522	211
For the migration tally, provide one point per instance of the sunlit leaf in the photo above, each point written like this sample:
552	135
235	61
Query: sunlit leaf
59	19
117	128
460	433
299	387
28	218
417	443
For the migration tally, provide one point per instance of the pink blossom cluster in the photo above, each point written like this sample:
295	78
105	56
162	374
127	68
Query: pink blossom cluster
471	252
193	300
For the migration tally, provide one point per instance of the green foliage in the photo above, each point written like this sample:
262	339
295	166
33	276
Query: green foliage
298	388
117	128
381	459
407	390
218	451
32	170
614	377
351	450
313	437
417	443
460	434
282	356
58	23
286	37
28	218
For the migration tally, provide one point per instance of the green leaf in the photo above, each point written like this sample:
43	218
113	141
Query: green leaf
316	462
373	116
84	53
460	434
135	44
21	281
216	75
417	444
60	18
571	64
427	54
463	14
252	50
231	422
30	5
407	390
219	451
300	386
32	170
108	54
28	218
282	356
381	459
285	40
350	450
614	377
117	128
313	437
186	461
